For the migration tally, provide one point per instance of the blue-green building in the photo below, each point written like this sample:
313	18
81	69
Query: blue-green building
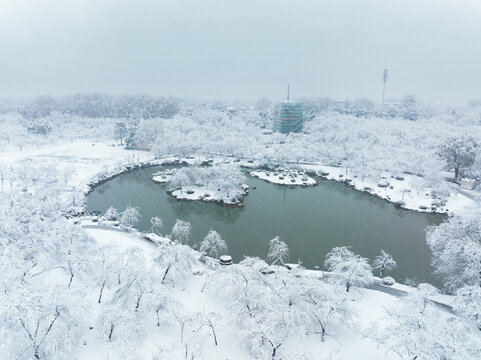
288	117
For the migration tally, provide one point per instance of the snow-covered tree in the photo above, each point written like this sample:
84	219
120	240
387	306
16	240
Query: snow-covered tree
120	131
111	214
179	179
273	309
162	302
44	322
384	262
133	293
125	264
241	282
413	330
157	224
419	299
209	321
106	269
459	153
213	245
175	262
408	108
74	251
118	324
347	268
264	335
468	303
130	138
278	251
456	247
130	216
320	307
183	319
4	171
148	130
181	231
67	174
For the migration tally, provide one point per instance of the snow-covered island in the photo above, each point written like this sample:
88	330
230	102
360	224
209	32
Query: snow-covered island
162	177
220	183
286	176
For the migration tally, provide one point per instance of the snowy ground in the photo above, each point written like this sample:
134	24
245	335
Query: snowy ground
347	342
82	158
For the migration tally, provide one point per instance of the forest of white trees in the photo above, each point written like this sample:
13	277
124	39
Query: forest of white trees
366	141
58	285
62	290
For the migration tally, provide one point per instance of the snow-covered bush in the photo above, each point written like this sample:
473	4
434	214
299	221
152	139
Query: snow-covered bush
213	245
347	268
459	153
278	251
415	332
111	214
181	231
456	247
130	216
174	262
384	262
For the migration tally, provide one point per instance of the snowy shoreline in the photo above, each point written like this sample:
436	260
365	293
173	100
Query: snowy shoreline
322	171
102	177
398	191
384	285
395	189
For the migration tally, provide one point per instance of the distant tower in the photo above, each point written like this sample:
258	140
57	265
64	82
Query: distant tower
384	79
288	116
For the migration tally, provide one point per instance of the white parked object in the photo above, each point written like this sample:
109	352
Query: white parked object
388	281
226	260
468	184
383	183
290	266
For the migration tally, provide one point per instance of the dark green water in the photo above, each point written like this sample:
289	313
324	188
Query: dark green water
310	220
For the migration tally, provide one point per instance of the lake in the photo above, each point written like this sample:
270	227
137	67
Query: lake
311	220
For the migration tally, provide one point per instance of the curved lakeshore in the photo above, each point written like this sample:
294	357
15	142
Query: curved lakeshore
402	195
312	220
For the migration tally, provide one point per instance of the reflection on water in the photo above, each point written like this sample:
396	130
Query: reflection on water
310	220
185	209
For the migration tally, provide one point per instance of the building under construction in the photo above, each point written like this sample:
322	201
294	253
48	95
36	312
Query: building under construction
288	116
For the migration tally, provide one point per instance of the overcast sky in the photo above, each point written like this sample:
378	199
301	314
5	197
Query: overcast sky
242	49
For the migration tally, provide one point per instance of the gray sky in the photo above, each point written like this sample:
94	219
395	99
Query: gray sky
242	49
